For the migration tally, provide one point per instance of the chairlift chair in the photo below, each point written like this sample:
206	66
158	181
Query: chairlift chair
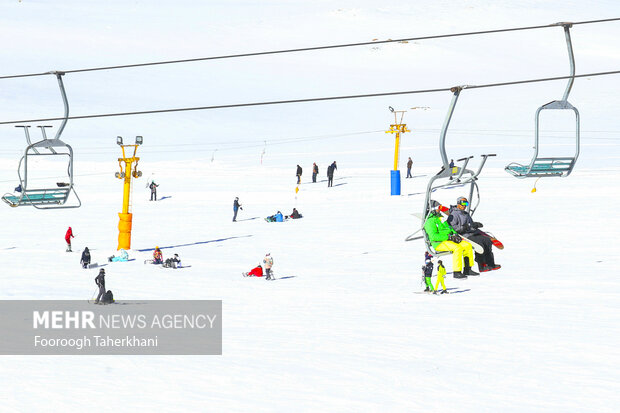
540	167
45	198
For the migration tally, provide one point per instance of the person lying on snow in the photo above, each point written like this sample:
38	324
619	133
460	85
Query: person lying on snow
254	272
278	217
121	257
464	225
444	238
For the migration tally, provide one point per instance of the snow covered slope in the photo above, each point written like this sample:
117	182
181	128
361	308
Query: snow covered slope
342	328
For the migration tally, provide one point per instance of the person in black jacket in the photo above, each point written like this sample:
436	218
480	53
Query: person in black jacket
315	172
100	281
153	188
330	174
236	208
299	170
85	261
409	165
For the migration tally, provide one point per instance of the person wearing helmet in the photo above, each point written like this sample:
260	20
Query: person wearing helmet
463	224
428	273
68	236
444	238
158	257
236	208
100	281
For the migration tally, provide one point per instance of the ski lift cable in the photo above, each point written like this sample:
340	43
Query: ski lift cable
315	99
315	48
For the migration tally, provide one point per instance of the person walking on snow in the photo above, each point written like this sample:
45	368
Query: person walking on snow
100	281
315	172
267	264
85	261
441	272
463	224
428	273
299	171
68	237
409	165
236	208
153	187
444	238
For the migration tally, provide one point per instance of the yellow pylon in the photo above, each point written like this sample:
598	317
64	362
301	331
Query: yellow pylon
125	217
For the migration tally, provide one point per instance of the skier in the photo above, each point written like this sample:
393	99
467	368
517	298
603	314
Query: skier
158	257
85	261
444	238
330	174
268	263
298	174
68	237
428	273
236	208
409	165
464	225
315	172
100	281
441	272
153	187
254	272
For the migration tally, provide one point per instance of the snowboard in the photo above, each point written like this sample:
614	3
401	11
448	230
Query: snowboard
496	243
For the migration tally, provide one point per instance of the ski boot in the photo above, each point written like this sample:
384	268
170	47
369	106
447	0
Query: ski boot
458	274
467	268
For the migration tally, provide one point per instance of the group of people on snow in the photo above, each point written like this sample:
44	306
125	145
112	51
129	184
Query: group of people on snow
315	171
258	270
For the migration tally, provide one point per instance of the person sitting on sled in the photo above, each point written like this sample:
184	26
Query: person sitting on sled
158	257
464	225
444	238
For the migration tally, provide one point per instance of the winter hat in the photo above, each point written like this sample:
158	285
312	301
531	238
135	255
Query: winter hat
237	198
268	254
428	261
102	271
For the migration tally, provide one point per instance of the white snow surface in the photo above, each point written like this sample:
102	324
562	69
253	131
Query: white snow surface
341	329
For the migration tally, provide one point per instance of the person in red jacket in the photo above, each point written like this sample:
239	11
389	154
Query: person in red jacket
68	237
158	257
255	272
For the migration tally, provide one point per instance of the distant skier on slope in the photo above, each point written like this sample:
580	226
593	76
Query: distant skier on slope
464	225
68	237
236	208
330	174
444	238
153	186
315	172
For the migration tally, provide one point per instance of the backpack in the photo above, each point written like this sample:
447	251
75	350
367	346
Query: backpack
108	297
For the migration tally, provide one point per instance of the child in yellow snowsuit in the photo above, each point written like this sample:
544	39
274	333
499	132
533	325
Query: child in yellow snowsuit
441	271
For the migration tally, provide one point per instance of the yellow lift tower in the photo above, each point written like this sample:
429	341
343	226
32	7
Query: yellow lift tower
398	127
124	224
